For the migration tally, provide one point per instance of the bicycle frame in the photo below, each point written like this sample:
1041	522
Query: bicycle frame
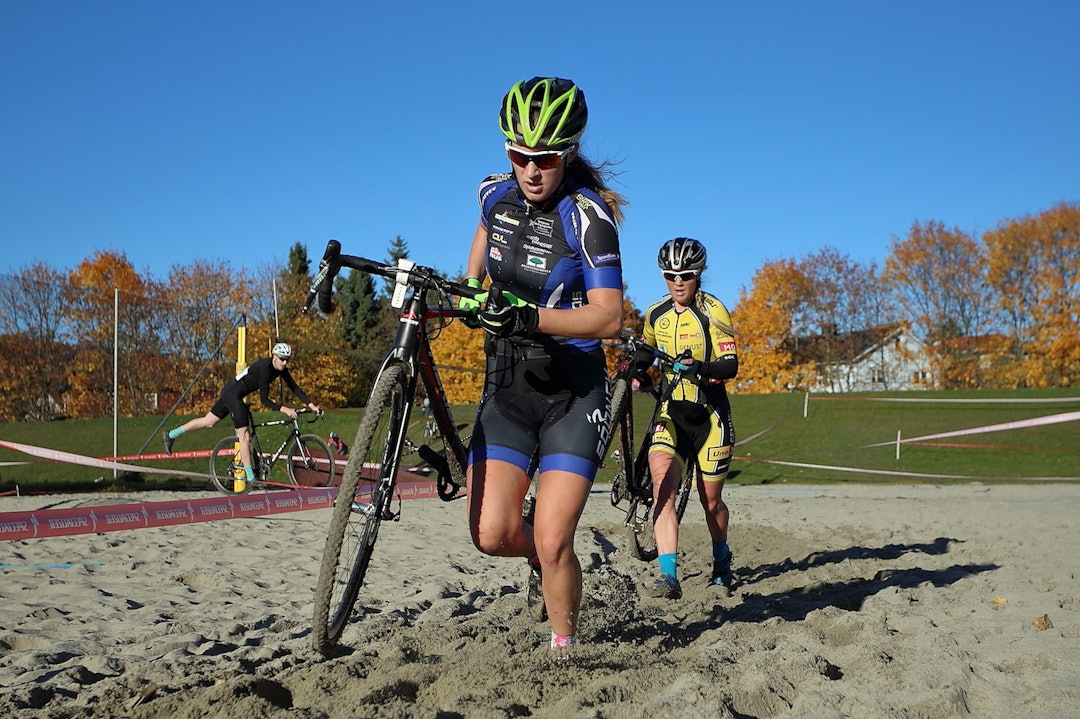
411	348
294	434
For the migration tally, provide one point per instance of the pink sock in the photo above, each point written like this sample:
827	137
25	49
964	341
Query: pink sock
560	642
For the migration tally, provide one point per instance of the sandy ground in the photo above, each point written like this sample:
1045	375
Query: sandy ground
853	601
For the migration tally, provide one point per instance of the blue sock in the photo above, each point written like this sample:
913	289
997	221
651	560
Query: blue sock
174	433
250	472
720	551
669	564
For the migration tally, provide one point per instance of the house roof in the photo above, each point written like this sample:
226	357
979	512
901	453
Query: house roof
843	347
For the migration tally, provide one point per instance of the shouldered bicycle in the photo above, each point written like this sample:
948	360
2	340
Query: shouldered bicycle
367	493
632	482
308	459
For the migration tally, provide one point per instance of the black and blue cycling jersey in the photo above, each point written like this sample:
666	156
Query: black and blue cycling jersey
552	255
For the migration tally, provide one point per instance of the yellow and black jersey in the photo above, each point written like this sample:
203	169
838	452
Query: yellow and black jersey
698	328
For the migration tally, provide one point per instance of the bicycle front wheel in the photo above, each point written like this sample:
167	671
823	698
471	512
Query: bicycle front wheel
363	501
227	469
310	462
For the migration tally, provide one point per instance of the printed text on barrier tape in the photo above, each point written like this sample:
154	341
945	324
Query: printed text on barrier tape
92	520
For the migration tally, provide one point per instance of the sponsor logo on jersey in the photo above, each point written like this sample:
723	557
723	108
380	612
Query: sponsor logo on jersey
607	257
536	262
498	237
543	225
727	348
495	254
502	217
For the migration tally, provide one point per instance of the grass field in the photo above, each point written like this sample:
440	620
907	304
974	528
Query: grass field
835	433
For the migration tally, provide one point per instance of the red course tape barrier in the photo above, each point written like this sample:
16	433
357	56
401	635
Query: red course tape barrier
111	518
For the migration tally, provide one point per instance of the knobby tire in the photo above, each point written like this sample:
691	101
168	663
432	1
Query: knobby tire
351	537
622	426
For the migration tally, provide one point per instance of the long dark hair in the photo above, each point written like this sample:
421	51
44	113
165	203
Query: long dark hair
595	177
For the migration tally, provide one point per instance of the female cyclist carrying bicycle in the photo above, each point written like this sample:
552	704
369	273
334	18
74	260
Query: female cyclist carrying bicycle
697	420
547	235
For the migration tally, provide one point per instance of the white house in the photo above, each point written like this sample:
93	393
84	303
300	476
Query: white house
884	358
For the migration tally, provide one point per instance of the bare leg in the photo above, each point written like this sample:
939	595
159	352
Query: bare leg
665	521
243	436
207	421
495	492
716	511
560	499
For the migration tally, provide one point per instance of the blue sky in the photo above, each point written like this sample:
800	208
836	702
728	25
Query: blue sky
229	130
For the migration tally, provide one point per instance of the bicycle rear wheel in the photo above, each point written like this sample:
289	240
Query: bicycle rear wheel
622	424
639	530
363	501
310	462
226	467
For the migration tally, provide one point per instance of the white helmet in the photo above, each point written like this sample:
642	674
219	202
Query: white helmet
282	350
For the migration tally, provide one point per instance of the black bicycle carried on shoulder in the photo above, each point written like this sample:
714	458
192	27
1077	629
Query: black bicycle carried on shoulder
367	493
308	459
632	482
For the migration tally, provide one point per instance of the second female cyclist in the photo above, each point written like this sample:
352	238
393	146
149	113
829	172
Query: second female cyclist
697	419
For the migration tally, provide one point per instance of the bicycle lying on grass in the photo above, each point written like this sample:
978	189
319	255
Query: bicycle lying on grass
367	493
633	479
308	459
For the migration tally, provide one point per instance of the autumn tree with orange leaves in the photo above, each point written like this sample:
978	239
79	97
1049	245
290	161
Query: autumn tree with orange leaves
34	352
1033	266
765	319
939	276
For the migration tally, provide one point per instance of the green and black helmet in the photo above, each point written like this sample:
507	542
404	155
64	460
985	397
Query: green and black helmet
544	112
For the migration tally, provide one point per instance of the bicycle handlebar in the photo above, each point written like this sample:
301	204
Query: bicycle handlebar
289	420
416	276
637	343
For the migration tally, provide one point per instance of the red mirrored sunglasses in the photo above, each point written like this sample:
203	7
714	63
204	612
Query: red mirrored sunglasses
545	159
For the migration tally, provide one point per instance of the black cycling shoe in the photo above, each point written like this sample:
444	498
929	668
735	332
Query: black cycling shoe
722	575
168	442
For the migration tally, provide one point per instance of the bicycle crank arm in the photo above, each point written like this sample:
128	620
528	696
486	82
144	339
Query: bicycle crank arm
445	483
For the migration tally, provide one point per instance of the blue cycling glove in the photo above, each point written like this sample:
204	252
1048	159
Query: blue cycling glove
689	365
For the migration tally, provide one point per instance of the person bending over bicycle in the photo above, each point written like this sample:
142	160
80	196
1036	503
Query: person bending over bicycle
547	235
256	376
697	420
336	443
